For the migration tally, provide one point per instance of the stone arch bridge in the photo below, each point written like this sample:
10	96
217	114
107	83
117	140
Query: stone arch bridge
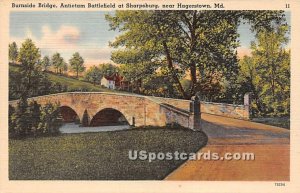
138	110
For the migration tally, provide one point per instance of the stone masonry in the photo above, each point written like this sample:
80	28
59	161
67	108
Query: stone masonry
139	110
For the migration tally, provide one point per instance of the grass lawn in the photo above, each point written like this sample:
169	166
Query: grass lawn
74	84
99	156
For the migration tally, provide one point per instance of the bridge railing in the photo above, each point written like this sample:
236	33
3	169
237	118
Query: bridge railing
221	109
175	110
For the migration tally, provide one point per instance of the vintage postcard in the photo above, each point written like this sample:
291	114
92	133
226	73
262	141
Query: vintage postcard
150	96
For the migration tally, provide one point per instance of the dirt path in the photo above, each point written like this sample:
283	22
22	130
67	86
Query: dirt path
269	144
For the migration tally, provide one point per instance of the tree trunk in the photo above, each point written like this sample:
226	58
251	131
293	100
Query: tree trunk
194	79
192	65
171	68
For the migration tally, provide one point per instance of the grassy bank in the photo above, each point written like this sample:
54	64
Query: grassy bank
99	156
75	84
72	84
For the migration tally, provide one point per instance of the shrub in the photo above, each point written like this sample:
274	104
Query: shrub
51	120
26	120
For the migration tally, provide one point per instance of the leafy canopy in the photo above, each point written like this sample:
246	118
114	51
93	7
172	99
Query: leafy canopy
200	43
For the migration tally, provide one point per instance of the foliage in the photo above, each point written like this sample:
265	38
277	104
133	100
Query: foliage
27	79
46	62
108	69
20	120
13	52
45	85
202	43
57	87
71	84
93	75
58	83
29	57
35	116
50	119
267	73
11	121
28	120
15	83
58	63
158	84
76	63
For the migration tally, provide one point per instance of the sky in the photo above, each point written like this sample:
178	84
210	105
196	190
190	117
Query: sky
84	32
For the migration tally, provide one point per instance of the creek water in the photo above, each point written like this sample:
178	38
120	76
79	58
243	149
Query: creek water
76	128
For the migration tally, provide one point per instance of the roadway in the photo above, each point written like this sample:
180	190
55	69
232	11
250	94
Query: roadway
269	144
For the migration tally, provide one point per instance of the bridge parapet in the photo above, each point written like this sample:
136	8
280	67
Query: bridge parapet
137	109
221	109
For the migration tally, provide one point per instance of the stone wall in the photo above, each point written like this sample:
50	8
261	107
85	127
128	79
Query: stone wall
179	103
132	107
225	110
222	109
153	114
140	110
175	115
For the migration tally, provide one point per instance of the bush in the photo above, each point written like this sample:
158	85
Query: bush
20	120
27	120
51	120
11	120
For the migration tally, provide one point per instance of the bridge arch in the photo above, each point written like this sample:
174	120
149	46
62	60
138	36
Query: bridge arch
109	116
69	114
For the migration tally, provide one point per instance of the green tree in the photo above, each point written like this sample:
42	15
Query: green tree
44	85
34	113
29	58
108	69
13	52
65	67
11	120
158	84
267	72
28	79
21	119
50	119
15	84
93	75
33	120
76	63
46	62
201	42
57	62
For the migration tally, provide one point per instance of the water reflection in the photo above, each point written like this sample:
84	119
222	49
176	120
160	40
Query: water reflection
76	128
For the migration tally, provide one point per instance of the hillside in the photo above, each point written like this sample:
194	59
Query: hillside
75	84
71	83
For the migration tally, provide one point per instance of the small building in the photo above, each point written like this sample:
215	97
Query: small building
108	82
115	82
